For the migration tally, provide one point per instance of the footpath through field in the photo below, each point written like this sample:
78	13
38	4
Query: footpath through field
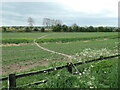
49	49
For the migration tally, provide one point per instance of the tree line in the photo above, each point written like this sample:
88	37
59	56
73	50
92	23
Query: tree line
76	28
22	29
59	28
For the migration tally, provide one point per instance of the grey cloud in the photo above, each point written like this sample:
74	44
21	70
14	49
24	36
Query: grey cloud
18	13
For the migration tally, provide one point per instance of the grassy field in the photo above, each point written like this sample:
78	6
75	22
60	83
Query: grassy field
55	34
54	37
82	46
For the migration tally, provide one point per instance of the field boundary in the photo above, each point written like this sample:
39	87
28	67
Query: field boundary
12	77
49	49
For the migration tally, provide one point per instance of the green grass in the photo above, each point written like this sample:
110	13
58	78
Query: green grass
54	34
101	74
54	37
17	40
77	47
82	46
14	54
21	35
77	37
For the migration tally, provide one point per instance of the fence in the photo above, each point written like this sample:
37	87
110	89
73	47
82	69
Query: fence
12	77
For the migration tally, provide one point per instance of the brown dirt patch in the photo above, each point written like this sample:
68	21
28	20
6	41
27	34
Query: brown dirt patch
4	45
26	65
21	66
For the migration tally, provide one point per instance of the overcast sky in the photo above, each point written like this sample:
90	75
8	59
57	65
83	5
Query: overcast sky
81	12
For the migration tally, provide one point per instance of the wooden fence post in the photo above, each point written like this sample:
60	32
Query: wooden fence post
11	81
69	67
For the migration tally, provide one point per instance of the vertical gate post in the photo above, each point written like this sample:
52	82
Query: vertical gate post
11	81
69	67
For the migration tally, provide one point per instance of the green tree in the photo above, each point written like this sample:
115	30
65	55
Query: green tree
4	29
57	28
100	29
70	29
108	29
82	29
76	28
90	29
35	29
64	28
28	29
42	29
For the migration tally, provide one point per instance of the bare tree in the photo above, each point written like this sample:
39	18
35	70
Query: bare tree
58	22
51	22
46	22
30	21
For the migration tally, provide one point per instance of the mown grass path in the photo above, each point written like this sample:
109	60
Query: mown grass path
49	49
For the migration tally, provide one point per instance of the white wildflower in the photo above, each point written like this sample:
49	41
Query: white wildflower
105	72
80	74
89	83
92	66
55	69
91	87
58	75
45	71
83	72
93	78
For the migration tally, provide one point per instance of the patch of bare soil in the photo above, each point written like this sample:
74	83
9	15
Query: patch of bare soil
21	66
4	45
26	65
